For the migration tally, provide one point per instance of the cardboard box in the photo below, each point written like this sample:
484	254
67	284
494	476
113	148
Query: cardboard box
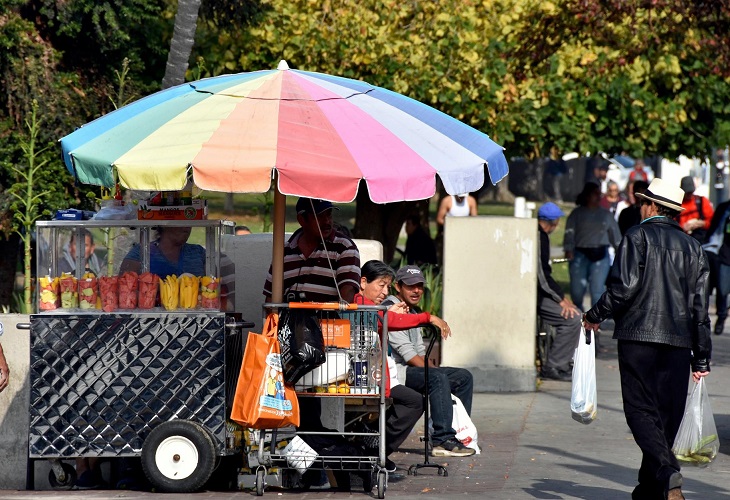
197	211
336	332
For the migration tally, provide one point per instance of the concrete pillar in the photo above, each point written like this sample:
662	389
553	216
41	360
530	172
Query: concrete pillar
14	403
490	293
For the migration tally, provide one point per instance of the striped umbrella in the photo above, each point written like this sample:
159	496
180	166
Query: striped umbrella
316	135
322	134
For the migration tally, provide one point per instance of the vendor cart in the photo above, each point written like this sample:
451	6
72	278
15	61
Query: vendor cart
354	375
152	383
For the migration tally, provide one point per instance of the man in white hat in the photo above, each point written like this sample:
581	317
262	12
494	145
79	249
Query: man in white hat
656	293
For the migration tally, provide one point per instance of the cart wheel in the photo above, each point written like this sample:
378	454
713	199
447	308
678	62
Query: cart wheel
178	456
382	484
68	482
260	478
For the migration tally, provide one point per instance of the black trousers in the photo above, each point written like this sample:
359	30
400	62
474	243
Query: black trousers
402	415
654	381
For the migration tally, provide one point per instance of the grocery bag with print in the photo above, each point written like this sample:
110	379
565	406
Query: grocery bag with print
262	399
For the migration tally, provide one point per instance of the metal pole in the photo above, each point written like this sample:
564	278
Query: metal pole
277	254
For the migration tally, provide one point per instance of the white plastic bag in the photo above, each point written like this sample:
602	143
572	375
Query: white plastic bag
299	455
466	431
697	442
584	401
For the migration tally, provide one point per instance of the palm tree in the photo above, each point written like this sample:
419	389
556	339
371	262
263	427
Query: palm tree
183	38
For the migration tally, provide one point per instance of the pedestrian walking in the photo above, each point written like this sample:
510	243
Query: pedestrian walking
589	232
656	294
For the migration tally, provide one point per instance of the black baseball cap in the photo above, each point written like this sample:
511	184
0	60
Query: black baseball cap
410	275
304	206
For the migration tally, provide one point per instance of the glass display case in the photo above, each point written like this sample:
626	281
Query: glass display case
109	265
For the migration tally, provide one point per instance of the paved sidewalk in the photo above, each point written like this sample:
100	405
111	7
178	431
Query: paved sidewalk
532	449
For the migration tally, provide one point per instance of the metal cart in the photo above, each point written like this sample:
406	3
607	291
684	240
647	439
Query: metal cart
355	375
154	384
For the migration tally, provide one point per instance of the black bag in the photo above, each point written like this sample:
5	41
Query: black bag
301	341
594	254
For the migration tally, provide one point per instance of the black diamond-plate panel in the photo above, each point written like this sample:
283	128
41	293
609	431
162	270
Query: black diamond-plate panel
100	383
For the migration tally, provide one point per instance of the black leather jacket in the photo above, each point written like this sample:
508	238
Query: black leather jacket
657	290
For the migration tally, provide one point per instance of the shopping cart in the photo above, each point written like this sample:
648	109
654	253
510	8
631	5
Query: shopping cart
354	374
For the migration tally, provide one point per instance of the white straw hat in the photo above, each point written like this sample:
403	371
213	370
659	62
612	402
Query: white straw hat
664	194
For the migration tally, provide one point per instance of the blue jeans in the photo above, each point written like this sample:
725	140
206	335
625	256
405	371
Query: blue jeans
723	289
584	273
442	383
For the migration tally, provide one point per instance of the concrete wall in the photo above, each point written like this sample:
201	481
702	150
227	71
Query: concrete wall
251	255
14	404
490	293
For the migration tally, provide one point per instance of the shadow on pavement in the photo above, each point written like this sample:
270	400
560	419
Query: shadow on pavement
556	489
611	471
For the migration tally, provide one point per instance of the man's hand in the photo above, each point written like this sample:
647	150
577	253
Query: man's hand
445	329
399	308
693	224
696	376
569	311
590	326
569	255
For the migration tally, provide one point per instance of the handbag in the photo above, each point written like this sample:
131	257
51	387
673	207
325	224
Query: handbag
262	399
584	400
302	343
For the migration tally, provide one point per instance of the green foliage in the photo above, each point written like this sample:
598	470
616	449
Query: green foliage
583	75
432	300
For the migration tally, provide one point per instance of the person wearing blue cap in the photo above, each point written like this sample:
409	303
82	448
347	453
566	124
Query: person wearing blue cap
552	305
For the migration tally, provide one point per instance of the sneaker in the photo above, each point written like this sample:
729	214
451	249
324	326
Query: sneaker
390	465
451	448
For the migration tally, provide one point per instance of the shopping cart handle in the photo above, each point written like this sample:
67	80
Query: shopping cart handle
327	306
22	326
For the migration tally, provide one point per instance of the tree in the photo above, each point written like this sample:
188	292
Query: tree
183	39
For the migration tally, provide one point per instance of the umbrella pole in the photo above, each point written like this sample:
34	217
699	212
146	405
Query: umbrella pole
277	254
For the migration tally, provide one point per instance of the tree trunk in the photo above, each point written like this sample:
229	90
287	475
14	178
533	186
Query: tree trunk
8	266
228	204
183	38
383	222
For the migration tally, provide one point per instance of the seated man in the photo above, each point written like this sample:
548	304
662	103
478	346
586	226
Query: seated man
409	354
552	304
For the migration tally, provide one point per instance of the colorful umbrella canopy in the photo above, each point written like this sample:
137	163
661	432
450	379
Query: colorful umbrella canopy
321	133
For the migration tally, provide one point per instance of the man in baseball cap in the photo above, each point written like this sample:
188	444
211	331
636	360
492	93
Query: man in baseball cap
409	354
553	306
319	261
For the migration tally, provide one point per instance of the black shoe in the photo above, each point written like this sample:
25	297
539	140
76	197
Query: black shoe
719	327
390	465
553	374
452	448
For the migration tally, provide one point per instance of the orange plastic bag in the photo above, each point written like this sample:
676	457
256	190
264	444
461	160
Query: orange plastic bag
262	400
